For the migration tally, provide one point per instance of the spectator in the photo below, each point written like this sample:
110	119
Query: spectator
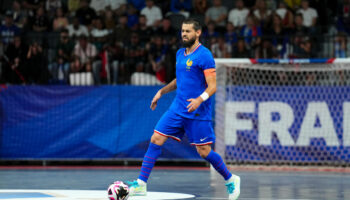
152	13
323	10
109	20
340	46
231	34
262	13
159	58
266	50
217	14
73	5
85	13
76	29
118	6
238	15
99	6
343	23
297	41
138	4
167	31
240	51
183	7
52	5
19	15
40	21
252	33
8	30
309	14
200	6
85	58
15	58
271	4
135	54
209	34
133	18
143	30
117	58
99	30
60	69
35	68
60	21
122	31
286	15
299	28
278	36
303	48
99	34
221	49
293	4
33	5
308	50
163	5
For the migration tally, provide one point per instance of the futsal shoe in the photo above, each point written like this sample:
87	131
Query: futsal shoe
137	188
233	187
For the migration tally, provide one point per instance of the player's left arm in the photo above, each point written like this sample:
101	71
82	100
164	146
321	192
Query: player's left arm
210	78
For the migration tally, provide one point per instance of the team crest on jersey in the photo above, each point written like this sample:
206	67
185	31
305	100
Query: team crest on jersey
189	64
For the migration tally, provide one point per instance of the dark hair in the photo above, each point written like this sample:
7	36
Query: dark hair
196	25
299	15
64	31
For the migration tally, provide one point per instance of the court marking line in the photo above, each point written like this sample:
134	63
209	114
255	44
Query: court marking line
219	198
87	195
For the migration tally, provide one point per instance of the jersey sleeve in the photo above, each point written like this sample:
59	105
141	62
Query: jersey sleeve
207	61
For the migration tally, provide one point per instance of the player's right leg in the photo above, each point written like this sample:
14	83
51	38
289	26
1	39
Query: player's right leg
139	187
170	125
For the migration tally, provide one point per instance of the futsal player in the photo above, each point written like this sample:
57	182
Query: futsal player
190	112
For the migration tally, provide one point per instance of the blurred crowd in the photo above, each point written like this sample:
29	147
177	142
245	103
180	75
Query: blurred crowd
45	41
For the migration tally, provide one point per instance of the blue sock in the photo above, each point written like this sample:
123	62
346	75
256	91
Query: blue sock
149	160
217	162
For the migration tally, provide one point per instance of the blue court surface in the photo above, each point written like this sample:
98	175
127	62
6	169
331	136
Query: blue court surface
73	183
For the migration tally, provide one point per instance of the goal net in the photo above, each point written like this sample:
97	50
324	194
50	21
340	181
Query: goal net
283	111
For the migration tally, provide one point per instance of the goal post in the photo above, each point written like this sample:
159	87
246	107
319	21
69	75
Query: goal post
289	111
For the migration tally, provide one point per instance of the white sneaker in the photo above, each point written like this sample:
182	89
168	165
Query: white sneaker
233	187
137	188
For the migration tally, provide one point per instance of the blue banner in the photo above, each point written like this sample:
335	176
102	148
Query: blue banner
288	124
63	122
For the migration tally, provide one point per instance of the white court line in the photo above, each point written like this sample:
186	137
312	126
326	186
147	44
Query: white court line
94	195
217	198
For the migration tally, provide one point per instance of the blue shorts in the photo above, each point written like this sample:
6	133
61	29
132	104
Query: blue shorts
199	132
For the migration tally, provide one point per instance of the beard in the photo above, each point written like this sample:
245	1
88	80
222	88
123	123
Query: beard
188	43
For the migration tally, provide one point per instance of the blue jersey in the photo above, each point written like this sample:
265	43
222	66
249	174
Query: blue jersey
191	83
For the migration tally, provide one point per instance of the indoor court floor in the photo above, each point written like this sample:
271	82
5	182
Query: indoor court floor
90	183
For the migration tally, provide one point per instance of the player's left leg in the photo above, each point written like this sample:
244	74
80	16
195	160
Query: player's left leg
232	181
201	134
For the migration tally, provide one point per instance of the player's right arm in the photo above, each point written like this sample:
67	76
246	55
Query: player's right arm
166	89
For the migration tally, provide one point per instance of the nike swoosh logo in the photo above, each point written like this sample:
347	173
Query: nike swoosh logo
203	139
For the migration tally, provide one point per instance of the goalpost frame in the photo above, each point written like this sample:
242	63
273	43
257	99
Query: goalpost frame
221	99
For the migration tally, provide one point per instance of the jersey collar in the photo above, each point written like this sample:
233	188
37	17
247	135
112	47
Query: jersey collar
193	50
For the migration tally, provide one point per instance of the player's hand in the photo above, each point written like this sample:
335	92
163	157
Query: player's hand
155	100
195	103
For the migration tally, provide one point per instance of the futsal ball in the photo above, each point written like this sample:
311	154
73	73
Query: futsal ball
118	191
